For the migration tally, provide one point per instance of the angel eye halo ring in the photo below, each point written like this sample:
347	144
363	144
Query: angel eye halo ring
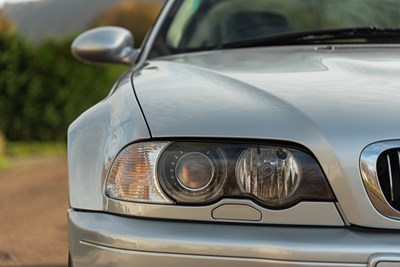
192	172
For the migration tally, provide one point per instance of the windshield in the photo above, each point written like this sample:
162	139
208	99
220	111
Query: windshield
195	25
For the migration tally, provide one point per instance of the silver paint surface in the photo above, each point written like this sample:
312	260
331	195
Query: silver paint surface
304	213
95	138
105	45
335	102
104	240
385	260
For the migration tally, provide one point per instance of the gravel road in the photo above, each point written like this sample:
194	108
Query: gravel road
33	205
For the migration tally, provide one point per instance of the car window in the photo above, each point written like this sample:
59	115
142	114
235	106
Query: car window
202	24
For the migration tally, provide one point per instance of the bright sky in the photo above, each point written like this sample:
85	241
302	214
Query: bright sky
15	1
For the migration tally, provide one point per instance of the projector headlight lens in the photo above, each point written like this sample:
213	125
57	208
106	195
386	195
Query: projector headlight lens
193	172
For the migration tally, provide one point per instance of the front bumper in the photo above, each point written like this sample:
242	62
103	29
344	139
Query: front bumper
98	239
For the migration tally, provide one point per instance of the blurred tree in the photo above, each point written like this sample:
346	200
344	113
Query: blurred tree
5	27
2	145
43	89
138	17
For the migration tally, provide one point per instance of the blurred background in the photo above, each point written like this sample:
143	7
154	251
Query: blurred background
42	90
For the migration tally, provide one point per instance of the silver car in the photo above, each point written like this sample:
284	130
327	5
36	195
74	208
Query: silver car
247	133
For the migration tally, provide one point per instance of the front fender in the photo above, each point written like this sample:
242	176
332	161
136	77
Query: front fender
95	138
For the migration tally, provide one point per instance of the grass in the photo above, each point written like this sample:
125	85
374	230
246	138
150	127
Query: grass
16	149
4	162
21	150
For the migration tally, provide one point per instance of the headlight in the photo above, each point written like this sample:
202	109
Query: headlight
193	172
200	173
270	174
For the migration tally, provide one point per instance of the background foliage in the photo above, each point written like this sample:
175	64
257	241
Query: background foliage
43	88
134	16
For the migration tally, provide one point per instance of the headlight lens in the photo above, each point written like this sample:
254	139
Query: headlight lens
193	172
201	173
270	174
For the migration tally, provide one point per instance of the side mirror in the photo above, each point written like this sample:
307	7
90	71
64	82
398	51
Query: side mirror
105	45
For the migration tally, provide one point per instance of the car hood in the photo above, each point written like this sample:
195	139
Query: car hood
334	101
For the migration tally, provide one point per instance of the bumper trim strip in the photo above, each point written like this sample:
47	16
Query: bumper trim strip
247	259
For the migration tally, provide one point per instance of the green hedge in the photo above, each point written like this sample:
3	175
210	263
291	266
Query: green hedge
43	88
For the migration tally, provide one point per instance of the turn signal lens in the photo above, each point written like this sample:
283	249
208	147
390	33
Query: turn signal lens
132	175
270	174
